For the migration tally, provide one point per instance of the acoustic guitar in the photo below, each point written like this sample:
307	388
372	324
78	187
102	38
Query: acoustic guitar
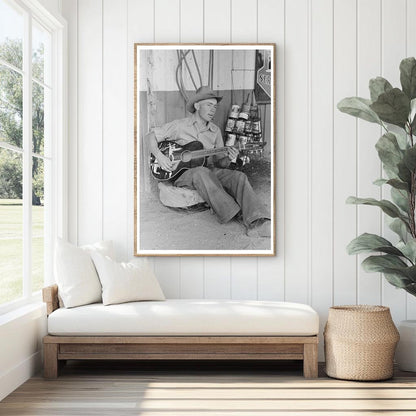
191	155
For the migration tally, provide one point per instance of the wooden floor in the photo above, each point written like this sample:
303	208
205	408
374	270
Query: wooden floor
221	389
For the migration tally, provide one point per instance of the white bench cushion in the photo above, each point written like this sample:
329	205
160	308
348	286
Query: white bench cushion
187	317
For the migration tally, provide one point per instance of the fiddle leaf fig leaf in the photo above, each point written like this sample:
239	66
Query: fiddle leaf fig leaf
400	198
388	207
411	273
359	107
396	271
389	151
400	228
378	86
392	107
408	249
410	158
402	139
395	183
412	116
397	280
412	109
381	263
380	182
366	243
398	184
411	289
408	77
390	173
404	173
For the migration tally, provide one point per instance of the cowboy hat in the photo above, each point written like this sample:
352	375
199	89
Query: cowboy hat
202	93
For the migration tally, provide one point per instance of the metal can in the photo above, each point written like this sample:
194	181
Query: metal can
240	125
248	126
230	139
242	141
256	127
230	124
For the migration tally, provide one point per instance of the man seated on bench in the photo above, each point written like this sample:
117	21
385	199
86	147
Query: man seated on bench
228	192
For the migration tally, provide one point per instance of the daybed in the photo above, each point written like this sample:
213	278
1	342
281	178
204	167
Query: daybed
181	329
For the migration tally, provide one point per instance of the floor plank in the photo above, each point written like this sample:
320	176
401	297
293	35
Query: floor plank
212	389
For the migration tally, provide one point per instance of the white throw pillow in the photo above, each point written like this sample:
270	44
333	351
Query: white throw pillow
75	273
126	282
103	247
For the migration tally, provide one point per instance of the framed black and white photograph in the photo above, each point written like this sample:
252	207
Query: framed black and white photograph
204	118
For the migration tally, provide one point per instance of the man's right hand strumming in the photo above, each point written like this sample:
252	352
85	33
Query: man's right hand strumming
165	163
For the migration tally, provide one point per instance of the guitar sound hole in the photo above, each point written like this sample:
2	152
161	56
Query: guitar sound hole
186	156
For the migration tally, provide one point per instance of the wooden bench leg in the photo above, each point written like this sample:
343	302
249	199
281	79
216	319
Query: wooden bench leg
310	360
50	360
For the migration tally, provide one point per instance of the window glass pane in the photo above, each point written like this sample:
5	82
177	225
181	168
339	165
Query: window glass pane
38	230
38	118
11	34
11	106
11	226
41	46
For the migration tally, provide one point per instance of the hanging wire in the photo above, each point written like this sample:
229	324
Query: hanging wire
209	70
211	65
179	72
232	77
179	77
182	85
189	69
197	68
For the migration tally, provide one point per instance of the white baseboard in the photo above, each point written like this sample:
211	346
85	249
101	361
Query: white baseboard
10	380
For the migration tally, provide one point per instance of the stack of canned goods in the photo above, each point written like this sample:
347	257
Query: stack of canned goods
243	129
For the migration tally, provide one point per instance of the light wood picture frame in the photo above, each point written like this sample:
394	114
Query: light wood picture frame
171	217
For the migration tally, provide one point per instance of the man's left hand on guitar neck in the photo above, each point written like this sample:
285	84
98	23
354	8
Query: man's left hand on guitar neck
231	156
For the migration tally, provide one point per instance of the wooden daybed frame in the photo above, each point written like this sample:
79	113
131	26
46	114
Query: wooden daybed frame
58	349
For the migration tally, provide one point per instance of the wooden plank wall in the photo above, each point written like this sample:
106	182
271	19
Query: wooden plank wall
326	50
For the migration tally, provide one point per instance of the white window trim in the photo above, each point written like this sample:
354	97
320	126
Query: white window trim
59	146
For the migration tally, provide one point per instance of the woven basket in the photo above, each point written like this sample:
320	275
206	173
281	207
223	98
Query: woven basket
360	341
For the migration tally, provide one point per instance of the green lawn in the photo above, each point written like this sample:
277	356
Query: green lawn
11	249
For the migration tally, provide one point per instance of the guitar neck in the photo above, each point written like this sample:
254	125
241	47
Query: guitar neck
208	152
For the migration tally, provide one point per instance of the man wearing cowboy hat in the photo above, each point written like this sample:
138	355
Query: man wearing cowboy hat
228	192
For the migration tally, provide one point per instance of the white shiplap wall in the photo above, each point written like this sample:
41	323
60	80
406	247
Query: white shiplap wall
326	50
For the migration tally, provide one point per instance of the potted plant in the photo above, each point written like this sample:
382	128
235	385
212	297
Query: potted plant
394	109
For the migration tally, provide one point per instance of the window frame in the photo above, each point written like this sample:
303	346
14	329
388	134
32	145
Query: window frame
57	226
